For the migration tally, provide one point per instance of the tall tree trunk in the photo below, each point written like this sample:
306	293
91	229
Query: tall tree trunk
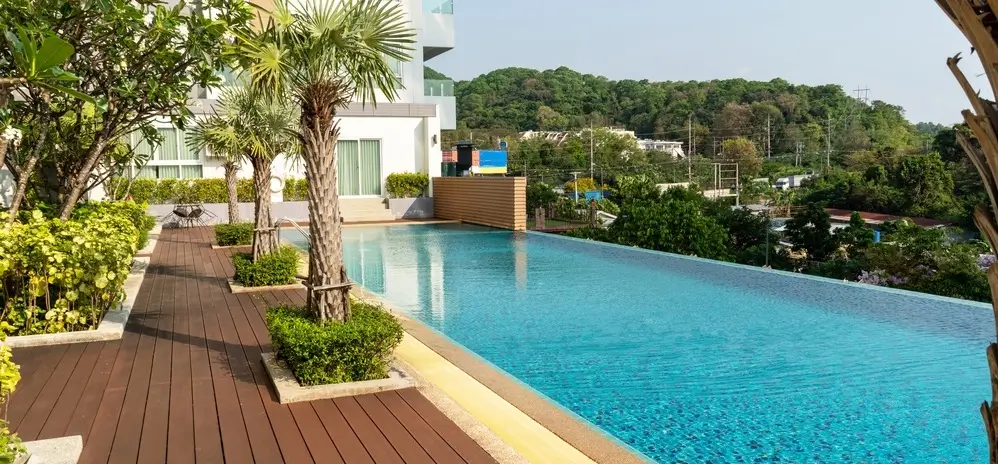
22	187
320	133
232	190
25	174
78	182
264	238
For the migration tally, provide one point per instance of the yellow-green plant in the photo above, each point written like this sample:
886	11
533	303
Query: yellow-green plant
59	276
10	374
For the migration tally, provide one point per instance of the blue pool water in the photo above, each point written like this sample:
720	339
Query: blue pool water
692	361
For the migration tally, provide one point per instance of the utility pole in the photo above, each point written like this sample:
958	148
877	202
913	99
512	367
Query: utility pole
828	153
769	144
575	188
689	156
592	164
797	154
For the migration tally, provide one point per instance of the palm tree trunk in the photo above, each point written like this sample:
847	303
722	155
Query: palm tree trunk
264	240
230	186
22	188
320	133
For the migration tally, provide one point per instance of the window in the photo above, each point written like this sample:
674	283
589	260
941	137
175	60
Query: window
171	159
396	66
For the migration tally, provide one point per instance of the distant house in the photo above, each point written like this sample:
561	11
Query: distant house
842	216
558	137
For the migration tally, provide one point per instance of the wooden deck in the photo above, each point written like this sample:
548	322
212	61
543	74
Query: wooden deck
185	384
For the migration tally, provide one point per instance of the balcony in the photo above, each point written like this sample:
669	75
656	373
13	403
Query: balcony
438	27
441	92
438	88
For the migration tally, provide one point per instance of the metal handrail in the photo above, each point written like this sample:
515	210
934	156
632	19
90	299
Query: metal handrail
277	225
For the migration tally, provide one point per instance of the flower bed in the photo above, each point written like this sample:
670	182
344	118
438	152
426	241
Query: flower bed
63	276
360	349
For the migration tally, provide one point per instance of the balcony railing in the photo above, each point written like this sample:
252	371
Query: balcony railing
438	7
438	88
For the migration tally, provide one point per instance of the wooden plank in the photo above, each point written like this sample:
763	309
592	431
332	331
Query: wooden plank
234	439
346	441
318	441
375	443
397	435
448	430
435	446
180	435
155	423
82	419
62	412
207	434
40	409
258	427
31	387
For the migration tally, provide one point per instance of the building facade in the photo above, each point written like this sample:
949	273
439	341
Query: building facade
375	141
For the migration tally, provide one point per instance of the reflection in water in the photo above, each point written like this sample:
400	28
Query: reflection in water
520	256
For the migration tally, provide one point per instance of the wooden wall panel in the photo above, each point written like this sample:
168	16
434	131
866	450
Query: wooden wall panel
489	201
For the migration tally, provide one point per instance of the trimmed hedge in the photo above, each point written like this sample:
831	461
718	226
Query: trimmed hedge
295	189
172	191
62	276
406	184
234	234
277	268
360	349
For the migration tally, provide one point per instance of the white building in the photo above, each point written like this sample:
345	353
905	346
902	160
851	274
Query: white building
401	136
558	137
673	148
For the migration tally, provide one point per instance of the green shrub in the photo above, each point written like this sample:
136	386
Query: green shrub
406	184
60	276
277	268
171	191
234	234
360	349
134	212
295	189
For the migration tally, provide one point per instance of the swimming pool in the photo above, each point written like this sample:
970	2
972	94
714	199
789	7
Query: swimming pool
689	360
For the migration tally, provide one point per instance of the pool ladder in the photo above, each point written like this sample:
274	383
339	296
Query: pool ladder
304	233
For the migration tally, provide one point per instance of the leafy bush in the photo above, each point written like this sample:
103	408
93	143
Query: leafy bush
170	191
357	350
277	268
234	234
60	276
134	212
539	195
295	189
406	184
10	374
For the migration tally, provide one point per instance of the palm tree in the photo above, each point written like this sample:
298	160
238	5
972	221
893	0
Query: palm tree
218	136
257	128
978	20
325	54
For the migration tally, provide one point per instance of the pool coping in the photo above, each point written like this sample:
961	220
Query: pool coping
575	430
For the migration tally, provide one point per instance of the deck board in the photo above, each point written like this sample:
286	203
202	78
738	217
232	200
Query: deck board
185	384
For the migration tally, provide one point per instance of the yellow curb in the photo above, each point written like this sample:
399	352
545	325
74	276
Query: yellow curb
532	440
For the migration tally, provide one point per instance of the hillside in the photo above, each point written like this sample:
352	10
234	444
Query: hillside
517	99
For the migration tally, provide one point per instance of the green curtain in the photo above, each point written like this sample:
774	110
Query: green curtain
186	153
168	150
169	172
191	172
348	168
370	163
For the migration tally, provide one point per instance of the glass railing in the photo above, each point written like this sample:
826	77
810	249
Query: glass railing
438	88
438	7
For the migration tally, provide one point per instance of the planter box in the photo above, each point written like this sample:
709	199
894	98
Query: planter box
411	208
236	287
110	328
290	391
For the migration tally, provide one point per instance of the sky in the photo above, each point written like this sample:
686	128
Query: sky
895	48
